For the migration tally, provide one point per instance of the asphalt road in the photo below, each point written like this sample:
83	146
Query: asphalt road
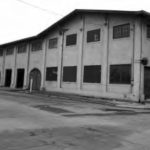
36	122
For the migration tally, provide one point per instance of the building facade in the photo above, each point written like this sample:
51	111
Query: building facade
88	52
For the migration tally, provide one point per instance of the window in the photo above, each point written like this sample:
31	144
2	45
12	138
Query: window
120	74
93	35
22	48
51	74
52	43
92	74
9	50
69	74
37	45
1	52
121	31
148	31
71	39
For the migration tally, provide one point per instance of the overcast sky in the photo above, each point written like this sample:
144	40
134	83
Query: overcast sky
24	18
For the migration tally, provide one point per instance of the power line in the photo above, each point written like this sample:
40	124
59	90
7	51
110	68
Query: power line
37	7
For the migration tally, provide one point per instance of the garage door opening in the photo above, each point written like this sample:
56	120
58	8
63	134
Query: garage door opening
8	75
20	78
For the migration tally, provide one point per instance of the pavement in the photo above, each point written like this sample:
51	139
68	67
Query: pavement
56	121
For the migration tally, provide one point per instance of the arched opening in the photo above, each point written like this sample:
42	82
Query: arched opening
35	75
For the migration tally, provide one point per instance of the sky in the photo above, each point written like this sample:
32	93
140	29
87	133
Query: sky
25	18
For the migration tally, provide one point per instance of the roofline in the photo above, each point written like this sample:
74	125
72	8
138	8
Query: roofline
76	11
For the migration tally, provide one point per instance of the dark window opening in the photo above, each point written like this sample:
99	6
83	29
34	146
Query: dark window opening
70	74
93	35
120	74
92	74
51	74
121	31
71	39
10	51
8	74
52	43
37	45
1	52
148	31
22	48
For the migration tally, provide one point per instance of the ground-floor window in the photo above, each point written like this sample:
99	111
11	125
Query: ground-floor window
70	73
51	74
120	74
92	74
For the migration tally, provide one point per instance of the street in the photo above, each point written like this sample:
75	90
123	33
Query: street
58	122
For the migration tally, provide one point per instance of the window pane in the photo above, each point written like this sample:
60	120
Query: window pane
37	45
71	39
121	31
92	74
52	43
148	31
93	35
69	74
51	74
22	48
10	51
120	74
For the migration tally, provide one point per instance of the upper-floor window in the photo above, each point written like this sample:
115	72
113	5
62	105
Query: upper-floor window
71	39
52	43
93	35
22	48
1	52
9	50
37	45
148	31
121	31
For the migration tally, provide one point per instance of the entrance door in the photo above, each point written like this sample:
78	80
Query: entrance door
147	82
20	78
8	74
35	75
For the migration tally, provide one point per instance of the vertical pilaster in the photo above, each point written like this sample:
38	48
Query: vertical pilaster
80	54
14	72
44	64
104	78
3	68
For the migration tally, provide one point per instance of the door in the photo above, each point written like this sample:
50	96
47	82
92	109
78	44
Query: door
147	82
20	78
35	75
8	75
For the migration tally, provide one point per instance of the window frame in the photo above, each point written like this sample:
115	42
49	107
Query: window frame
40	47
20	50
53	78
121	76
1	52
90	32
148	31
72	43
65	78
10	51
53	40
87	75
123	32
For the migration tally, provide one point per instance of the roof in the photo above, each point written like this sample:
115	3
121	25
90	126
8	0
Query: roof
73	13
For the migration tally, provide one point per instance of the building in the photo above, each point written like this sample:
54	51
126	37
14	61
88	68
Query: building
89	52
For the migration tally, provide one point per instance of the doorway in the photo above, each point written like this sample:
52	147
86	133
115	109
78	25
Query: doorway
35	75
8	75
147	82
20	78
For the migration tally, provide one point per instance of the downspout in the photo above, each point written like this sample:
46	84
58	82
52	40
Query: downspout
28	62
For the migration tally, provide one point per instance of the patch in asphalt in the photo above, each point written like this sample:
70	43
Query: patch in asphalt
52	109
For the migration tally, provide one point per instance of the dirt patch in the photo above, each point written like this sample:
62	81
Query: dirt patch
81	138
52	109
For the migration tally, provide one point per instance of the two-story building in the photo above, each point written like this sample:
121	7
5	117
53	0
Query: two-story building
100	53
